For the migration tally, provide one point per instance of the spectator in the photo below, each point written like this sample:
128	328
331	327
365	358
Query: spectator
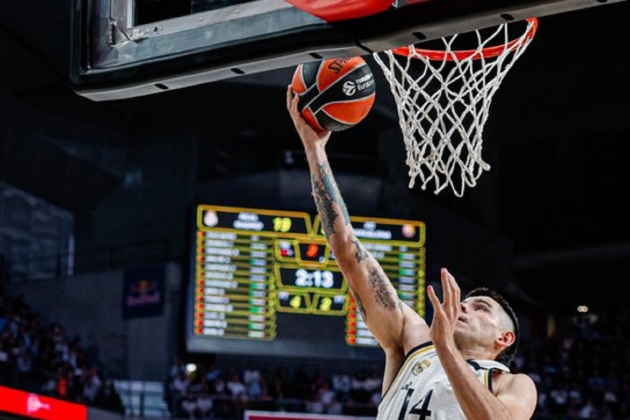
4	355
236	387
23	360
588	410
373	382
253	381
342	384
91	384
251	374
212	372
204	405
189	405
327	398
61	385
198	384
179	384
178	367
559	399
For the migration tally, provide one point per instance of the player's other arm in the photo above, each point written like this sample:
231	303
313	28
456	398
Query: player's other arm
513	397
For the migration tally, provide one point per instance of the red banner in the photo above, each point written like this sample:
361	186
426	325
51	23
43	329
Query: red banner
39	407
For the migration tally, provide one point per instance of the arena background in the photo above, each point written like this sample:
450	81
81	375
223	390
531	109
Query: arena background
548	224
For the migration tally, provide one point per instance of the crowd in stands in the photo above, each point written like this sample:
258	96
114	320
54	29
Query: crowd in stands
210	392
582	371
40	356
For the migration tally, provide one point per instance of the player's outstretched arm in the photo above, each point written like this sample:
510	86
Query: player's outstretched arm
386	316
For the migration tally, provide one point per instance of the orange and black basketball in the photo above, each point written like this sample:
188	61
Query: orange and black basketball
335	94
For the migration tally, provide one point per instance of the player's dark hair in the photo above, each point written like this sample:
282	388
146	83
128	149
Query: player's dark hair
507	355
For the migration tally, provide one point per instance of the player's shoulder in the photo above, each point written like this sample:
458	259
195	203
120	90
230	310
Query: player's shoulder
513	381
416	331
517	391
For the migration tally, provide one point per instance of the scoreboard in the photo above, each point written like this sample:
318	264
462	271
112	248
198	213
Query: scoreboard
265	282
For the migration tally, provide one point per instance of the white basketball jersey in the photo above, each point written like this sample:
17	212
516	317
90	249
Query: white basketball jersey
421	390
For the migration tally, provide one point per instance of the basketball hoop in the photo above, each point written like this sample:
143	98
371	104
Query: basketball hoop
443	104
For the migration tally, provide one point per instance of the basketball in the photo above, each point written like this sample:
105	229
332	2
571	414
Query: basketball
335	94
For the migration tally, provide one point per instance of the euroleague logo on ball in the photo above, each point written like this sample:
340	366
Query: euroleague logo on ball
350	87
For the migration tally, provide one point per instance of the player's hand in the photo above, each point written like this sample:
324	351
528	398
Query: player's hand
446	313
309	136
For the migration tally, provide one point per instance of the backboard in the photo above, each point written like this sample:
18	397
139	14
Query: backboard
128	48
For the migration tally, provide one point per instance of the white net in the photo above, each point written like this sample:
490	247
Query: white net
443	96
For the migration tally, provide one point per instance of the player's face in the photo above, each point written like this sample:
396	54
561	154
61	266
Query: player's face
479	321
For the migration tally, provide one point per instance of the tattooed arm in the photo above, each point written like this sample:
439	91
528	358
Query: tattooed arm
395	325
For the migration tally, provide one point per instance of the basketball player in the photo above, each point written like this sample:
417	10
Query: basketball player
455	369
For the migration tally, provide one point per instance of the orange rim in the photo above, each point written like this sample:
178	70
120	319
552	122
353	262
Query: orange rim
457	55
